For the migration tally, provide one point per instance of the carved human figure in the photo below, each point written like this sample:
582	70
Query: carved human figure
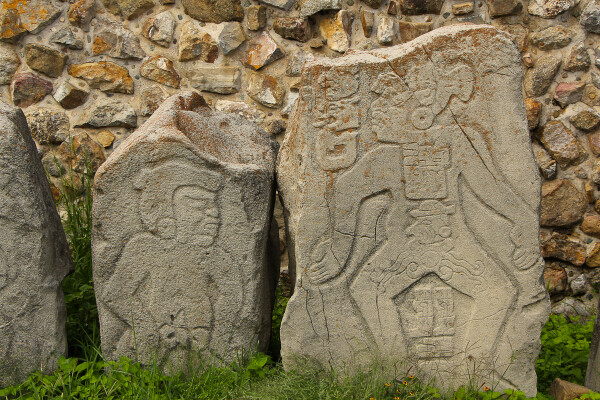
169	299
432	226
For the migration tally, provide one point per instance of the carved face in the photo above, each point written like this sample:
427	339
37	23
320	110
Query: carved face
197	215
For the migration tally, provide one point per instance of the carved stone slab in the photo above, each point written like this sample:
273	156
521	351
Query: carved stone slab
592	378
34	257
412	198
181	223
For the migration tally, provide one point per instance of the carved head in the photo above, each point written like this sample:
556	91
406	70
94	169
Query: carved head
179	201
197	215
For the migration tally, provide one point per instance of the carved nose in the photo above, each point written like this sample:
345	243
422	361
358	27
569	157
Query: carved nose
212	212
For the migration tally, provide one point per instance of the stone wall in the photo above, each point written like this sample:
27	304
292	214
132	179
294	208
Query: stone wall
88	72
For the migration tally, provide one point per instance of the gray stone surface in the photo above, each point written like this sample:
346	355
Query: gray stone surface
539	78
592	379
412	198
224	80
48	126
549	8
160	28
34	257
107	112
283	4
590	17
67	38
310	7
9	63
112	39
182	264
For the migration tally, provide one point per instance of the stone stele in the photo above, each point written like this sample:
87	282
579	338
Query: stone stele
592	378
34	257
412	200
182	211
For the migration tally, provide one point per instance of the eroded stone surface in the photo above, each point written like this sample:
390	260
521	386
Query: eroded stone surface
562	247
25	16
534	112
551	38
160	28
182	265
549	8
197	44
45	59
68	38
160	69
230	36
262	50
129	9
81	13
578	60
385	31
413	211
27	89
562	145
293	28
34	258
415	7
336	30
104	75
114	40
265	89
242	109
256	17
224	80
152	98
539	78
412	30
107	112
9	63
590	17
546	163
216	11
586	120
562	203
592	379
71	94
48	126
310	7
499	8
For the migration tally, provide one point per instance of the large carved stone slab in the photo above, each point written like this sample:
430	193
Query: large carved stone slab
181	221
34	257
412	198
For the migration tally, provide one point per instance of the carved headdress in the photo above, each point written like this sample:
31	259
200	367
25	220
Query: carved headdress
158	186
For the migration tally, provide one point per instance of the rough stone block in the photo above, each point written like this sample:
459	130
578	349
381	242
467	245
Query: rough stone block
413	202
34	258
181	271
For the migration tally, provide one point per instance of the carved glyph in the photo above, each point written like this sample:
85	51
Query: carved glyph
181	272
412	239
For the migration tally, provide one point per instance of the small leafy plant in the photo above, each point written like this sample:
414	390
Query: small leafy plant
565	351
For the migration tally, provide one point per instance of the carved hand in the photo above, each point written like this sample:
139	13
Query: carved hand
527	252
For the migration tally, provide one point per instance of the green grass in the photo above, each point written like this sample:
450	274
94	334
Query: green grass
83	329
86	375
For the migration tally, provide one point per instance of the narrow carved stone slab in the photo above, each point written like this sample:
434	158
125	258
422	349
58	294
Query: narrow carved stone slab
181	221
34	257
592	378
412	198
